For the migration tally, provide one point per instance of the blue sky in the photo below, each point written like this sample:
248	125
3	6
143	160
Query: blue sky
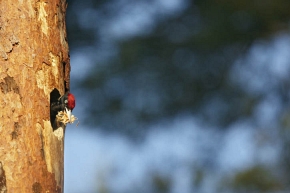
176	148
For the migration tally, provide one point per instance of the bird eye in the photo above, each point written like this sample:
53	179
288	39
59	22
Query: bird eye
65	101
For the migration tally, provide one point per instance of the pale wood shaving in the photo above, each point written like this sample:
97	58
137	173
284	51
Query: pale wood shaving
63	117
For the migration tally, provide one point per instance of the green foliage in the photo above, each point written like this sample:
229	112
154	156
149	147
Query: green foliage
181	65
198	178
256	179
161	184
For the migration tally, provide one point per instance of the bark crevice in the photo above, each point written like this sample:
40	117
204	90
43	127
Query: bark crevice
3	188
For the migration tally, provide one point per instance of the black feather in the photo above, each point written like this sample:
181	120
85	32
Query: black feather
55	107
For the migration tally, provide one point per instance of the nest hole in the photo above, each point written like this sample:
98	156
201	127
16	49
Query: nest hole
54	96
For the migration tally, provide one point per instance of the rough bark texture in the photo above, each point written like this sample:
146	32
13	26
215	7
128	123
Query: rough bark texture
34	60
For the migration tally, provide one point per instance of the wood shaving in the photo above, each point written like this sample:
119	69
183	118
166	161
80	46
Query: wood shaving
62	116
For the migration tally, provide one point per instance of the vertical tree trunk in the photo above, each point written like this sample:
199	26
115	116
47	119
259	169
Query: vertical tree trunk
34	61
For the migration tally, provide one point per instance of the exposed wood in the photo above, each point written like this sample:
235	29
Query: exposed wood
34	60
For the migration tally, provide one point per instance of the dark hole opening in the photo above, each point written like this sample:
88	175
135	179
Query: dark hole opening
54	96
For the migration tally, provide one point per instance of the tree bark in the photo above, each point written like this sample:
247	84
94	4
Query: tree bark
34	61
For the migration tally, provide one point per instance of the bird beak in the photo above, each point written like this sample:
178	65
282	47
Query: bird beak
68	112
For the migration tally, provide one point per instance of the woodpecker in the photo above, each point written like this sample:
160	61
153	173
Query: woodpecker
65	103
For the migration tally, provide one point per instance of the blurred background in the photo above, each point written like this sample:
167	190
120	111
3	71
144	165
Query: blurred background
179	96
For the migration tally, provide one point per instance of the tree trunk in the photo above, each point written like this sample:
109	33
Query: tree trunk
34	61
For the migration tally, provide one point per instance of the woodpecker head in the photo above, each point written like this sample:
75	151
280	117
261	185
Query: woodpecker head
68	100
61	109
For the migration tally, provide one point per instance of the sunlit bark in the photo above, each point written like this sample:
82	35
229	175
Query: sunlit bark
34	61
